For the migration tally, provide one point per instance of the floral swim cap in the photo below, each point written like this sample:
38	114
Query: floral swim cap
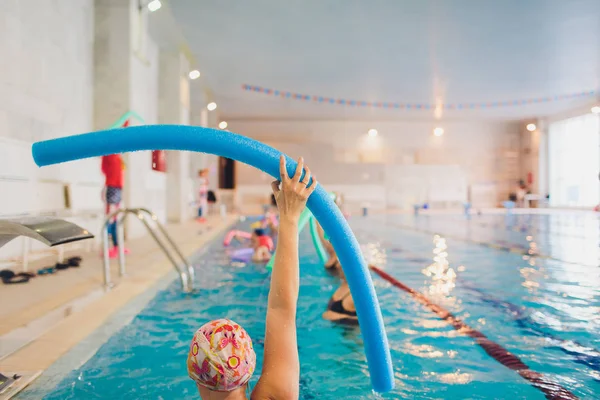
221	356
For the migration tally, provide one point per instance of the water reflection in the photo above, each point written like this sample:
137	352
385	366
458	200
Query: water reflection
423	350
374	254
442	275
456	378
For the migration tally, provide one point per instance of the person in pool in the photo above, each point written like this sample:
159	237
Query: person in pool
263	246
341	307
221	359
332	265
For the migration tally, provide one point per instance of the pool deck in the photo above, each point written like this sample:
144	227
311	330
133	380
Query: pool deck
43	319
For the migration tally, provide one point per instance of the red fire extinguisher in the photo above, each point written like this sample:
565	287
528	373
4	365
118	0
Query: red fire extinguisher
159	160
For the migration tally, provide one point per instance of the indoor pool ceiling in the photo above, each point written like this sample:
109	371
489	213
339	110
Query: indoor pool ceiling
406	51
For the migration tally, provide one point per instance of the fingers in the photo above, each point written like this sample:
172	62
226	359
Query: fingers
299	169
275	187
304	188
282	170
306	179
312	187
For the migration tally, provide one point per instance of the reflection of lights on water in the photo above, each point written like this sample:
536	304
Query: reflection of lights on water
531	284
423	350
431	323
595	375
461	268
532	262
442	276
374	254
529	274
529	238
533	249
450	378
379	396
440	334
456	377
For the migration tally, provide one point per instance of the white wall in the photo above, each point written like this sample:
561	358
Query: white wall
145	187
71	67
480	158
46	81
174	108
201	117
127	79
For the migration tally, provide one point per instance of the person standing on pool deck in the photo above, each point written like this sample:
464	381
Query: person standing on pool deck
202	195
112	168
221	359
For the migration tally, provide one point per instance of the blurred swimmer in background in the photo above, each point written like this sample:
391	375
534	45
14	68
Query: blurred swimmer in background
263	246
341	307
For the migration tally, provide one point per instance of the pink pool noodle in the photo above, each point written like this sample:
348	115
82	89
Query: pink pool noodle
233	233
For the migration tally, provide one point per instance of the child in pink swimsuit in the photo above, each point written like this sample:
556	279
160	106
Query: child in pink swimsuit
203	195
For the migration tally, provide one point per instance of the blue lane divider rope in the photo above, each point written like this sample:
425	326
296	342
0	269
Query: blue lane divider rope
265	158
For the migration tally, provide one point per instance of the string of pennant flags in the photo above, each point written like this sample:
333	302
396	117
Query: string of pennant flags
415	106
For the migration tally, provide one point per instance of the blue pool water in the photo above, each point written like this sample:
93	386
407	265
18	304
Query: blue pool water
545	309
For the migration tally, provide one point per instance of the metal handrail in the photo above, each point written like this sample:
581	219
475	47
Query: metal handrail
161	227
185	275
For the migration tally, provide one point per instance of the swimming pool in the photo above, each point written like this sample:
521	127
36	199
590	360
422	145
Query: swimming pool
545	309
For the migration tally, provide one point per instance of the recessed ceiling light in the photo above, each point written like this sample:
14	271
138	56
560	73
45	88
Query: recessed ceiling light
154	5
211	106
195	74
223	124
438	131
531	127
372	132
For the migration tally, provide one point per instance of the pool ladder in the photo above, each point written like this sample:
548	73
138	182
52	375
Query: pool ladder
184	269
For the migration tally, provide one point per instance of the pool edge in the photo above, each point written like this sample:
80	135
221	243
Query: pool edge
88	329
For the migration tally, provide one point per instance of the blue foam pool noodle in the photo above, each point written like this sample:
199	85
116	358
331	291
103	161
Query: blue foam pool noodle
265	158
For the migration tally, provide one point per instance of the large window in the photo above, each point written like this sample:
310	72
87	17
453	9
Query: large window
574	161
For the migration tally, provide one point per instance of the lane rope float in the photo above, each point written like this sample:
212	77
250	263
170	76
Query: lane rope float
265	158
551	389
